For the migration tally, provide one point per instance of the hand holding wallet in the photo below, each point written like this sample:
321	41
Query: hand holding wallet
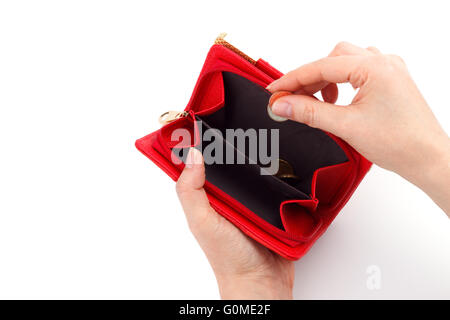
285	212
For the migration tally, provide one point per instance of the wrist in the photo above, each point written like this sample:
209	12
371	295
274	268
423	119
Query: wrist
254	288
436	159
432	174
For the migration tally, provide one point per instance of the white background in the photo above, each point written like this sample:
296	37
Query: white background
84	215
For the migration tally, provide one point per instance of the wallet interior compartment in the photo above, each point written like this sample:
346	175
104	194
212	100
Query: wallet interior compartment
300	222
306	149
262	194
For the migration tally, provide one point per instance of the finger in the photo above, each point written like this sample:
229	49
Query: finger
309	90
329	89
342	48
346	48
331	69
190	190
314	113
330	93
374	50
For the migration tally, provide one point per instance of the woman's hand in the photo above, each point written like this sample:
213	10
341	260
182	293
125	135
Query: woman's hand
244	269
388	121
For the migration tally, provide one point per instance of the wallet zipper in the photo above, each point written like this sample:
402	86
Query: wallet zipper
221	41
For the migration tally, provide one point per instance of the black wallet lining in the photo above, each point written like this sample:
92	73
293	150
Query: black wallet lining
305	148
262	194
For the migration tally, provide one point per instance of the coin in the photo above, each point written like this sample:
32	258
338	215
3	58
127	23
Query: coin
286	172
272	99
273	116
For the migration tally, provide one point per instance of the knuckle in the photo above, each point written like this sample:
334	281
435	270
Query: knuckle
203	222
378	61
375	65
289	77
340	47
360	75
308	115
373	49
181	187
396	60
387	65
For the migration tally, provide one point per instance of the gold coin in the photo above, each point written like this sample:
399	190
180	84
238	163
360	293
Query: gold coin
286	172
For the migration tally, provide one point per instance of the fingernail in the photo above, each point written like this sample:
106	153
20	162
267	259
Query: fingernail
190	158
198	158
270	86
194	157
282	109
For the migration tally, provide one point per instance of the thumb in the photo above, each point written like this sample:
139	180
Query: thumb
190	191
312	112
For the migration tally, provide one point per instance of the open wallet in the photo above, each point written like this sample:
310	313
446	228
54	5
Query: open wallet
284	212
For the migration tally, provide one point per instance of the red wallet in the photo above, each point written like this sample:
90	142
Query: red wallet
283	214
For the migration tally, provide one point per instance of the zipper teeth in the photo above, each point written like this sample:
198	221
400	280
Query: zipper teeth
221	41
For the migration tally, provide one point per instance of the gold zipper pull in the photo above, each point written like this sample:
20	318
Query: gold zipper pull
220	40
221	36
169	116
